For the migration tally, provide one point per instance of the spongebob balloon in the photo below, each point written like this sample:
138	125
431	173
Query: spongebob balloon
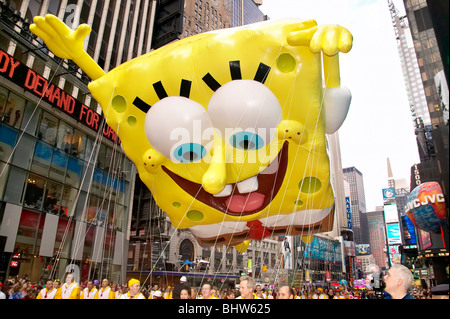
227	128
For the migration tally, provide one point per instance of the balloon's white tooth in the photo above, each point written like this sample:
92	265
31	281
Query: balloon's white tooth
248	185
226	191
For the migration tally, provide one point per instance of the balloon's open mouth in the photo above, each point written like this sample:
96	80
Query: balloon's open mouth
243	198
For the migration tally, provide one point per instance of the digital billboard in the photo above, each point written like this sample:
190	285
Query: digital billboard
393	234
362	249
394	255
390	213
409	233
425	239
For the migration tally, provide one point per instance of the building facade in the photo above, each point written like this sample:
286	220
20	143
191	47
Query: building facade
428	57
411	72
377	233
358	204
428	22
65	183
201	16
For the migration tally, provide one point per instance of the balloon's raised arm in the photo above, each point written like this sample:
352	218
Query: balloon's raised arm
66	43
330	39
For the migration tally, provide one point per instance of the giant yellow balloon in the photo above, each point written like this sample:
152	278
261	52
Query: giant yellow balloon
227	128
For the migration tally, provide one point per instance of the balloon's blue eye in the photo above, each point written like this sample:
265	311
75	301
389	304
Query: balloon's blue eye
246	141
189	152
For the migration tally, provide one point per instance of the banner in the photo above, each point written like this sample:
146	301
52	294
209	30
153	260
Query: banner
36	84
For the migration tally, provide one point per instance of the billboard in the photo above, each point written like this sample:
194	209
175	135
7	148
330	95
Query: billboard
409	233
324	249
388	193
394	255
390	213
425	239
393	234
349	248
363	249
286	252
37	85
348	210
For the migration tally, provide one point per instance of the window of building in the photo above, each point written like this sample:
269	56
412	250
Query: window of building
3	98
423	19
74	173
34	194
69	195
24	151
31	117
15	186
64	137
187	250
48	128
58	166
8	137
63	240
53	7
104	157
13	110
78	144
52	198
26	233
42	158
92	207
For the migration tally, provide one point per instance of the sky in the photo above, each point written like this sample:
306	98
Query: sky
379	124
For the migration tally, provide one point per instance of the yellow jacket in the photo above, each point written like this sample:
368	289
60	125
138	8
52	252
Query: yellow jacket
106	293
71	291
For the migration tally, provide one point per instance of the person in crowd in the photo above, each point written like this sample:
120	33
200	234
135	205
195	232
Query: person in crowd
207	292
2	294
70	289
259	289
246	286
121	289
89	292
230	294
105	292
156	295
286	292
185	293
398	281
194	293
134	287
331	293
178	287
15	292
56	284
49	292
168	293
155	288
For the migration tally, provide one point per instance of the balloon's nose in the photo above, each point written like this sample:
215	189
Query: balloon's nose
215	178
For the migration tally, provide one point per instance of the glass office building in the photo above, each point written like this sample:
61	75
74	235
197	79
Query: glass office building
65	182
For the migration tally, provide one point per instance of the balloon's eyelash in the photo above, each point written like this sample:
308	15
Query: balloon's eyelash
235	70
185	88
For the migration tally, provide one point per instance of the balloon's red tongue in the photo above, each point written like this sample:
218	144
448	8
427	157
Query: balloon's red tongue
247	203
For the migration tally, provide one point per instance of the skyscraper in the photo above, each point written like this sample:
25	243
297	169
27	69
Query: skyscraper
358	204
429	57
429	26
410	67
377	234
